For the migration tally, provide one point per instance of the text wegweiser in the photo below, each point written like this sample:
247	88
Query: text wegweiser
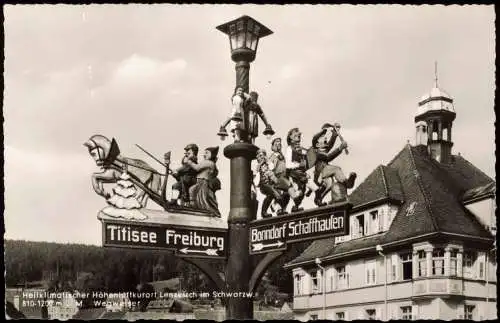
275	235
197	242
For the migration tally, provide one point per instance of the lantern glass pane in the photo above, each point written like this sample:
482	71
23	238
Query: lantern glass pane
232	39
240	40
249	40
254	43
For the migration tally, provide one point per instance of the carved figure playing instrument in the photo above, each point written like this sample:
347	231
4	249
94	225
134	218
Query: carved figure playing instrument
329	178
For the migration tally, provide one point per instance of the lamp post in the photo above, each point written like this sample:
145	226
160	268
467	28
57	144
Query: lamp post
323	283
379	250
244	34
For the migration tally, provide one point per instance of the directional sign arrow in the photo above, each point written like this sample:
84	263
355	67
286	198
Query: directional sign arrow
260	246
210	252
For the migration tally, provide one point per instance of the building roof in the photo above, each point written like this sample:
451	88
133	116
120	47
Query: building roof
479	192
436	92
431	195
382	184
11	312
435	100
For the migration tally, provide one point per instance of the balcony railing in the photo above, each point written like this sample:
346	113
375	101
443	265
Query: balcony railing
437	286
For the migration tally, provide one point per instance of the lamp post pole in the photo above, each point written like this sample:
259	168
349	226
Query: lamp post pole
240	214
244	34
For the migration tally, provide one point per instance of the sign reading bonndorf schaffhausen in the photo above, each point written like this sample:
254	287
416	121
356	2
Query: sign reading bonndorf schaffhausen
275	233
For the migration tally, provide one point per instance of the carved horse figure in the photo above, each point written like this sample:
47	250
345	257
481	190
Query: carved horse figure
106	154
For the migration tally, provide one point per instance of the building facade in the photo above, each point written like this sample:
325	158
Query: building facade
421	242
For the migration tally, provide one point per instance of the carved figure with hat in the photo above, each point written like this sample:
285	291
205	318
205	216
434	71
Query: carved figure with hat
268	185
185	175
278	165
296	165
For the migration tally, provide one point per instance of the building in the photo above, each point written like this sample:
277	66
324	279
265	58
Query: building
421	241
62	307
28	299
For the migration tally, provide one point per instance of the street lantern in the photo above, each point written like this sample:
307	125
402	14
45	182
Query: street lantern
244	34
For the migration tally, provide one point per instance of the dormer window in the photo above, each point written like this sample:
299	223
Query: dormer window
376	223
358	229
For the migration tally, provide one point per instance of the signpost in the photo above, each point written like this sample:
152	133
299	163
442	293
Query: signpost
192	234
273	234
184	241
187	235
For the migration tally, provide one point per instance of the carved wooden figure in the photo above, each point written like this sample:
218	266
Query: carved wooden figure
236	119
185	175
252	113
296	165
329	178
202	194
268	185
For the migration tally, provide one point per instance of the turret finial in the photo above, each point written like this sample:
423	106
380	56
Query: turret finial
436	74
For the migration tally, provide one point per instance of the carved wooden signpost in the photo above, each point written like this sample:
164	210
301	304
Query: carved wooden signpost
191	225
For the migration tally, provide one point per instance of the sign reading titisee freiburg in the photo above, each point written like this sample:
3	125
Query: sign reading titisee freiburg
274	233
199	242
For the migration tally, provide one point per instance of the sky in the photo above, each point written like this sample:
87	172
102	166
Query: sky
161	76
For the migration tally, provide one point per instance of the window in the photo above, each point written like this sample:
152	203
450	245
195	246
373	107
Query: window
341	277
481	270
358	226
468	263
438	262
370	272
469	311
331	275
375	223
406	313
315	282
340	315
407	264
453	262
298	284
422	264
371	314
